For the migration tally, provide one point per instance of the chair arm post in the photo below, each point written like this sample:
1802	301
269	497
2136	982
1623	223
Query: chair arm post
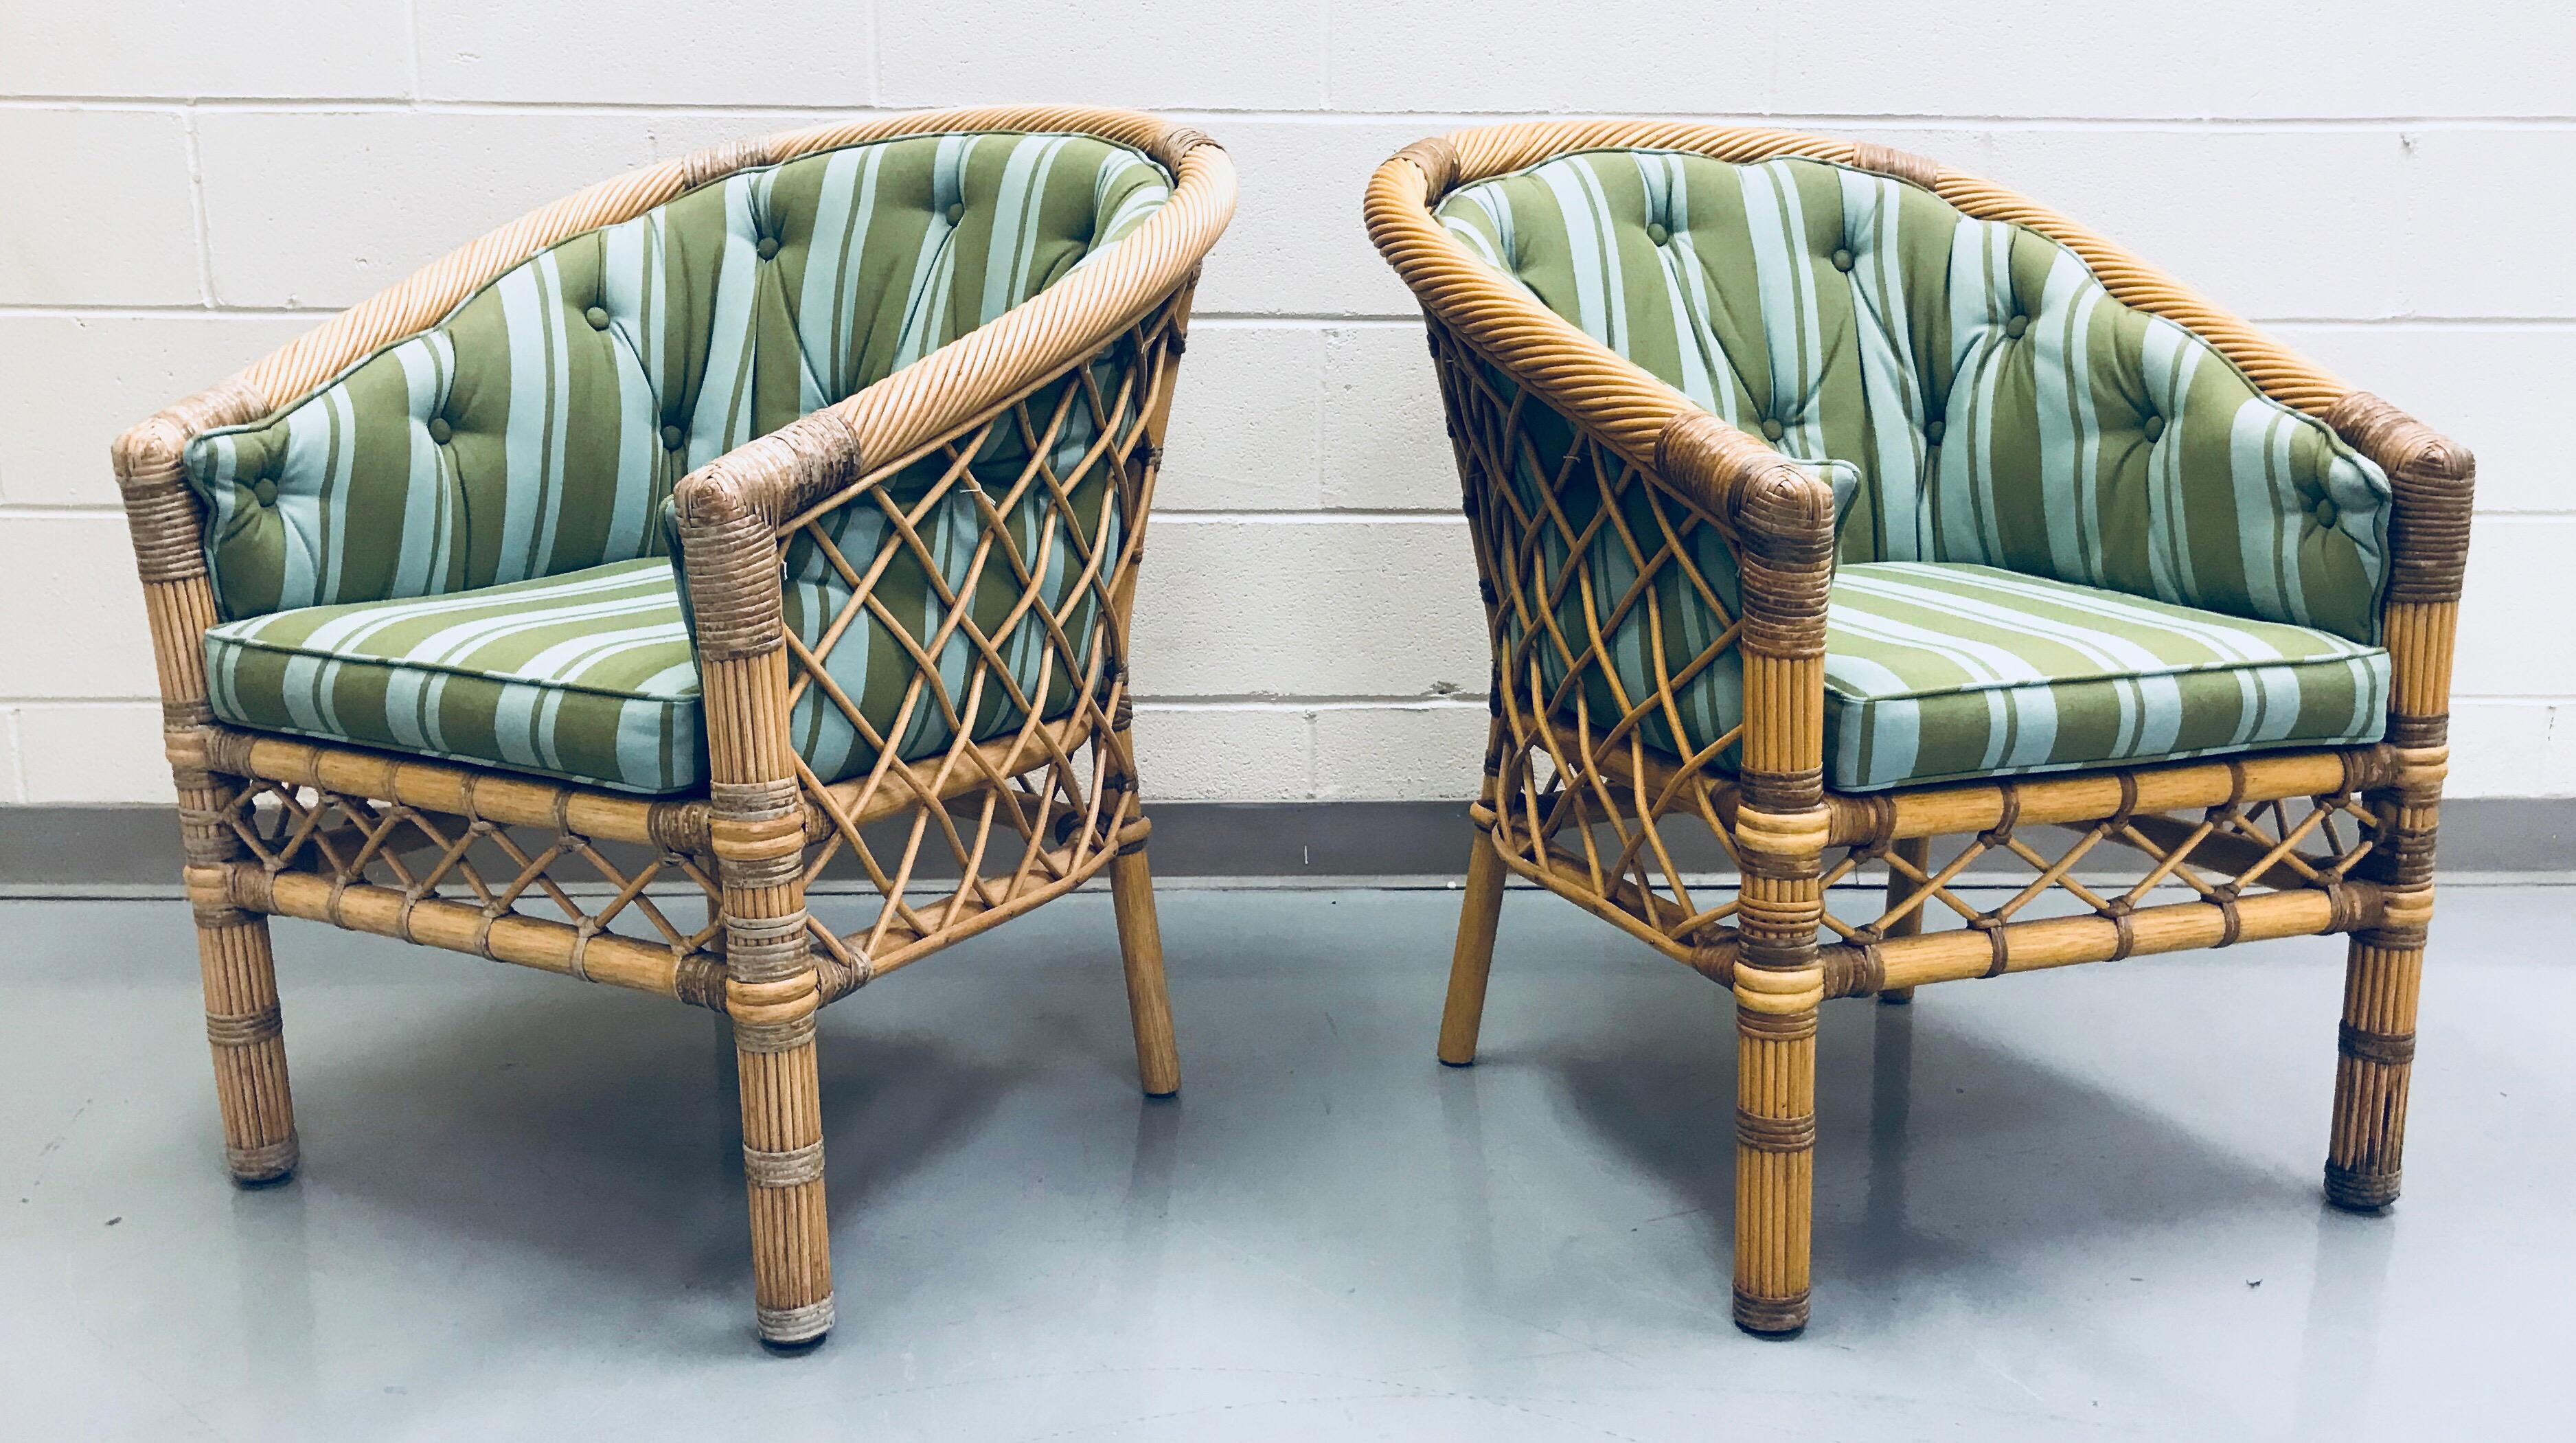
168	527
2433	481
729	553
1783	519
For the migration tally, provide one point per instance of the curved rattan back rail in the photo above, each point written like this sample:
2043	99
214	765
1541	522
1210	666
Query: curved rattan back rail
578	880
2282	844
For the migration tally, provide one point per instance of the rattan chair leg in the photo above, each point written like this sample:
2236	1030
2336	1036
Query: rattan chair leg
1778	987
2375	1061
2375	1046
1140	946
1916	851
249	1046
772	993
782	1150
1472	964
1775	1148
239	972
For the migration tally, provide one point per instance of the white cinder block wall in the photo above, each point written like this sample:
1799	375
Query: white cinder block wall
185	185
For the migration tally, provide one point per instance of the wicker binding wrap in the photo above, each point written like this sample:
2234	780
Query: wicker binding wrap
2284	843
579	880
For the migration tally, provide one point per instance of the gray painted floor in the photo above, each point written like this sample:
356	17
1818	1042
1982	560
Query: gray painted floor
2075	1204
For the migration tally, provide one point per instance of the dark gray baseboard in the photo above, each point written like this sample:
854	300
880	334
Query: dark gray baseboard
77	851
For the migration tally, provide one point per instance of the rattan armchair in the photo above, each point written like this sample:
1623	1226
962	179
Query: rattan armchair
1830	503
581	599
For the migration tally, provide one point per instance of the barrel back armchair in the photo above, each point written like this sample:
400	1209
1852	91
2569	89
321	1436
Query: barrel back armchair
583	598
1828	502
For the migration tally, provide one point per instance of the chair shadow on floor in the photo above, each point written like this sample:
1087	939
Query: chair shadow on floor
1939	1152
606	1140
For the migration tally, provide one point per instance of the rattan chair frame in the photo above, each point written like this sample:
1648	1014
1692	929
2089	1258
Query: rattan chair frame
2273	844
511	867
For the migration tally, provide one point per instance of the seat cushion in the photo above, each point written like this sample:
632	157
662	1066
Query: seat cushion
585	676
1939	672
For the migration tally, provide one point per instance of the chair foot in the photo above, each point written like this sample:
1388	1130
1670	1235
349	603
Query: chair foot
2374	1067
1775	1162
790	1332
1471	965
1140	947
1777	1319
256	1168
248	1040
782	1156
2357	1192
1896	997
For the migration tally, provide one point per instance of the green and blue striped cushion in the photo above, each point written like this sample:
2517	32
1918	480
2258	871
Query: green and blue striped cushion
1988	400
585	676
1937	672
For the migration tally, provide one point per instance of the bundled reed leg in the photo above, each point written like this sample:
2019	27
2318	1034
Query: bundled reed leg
245	1033
1778	986
756	828
1471	965
1462	1017
2375	1046
1140	947
2433	481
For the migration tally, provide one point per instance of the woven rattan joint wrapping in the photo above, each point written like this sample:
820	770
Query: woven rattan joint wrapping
1775	1134
792	1168
2389	1049
243	1029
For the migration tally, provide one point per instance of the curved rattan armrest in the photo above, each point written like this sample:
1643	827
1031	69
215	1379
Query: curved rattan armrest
731	509
1630	409
1776	514
1759	497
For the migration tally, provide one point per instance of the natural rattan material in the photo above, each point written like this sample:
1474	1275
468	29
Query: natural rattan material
2226	850
702	898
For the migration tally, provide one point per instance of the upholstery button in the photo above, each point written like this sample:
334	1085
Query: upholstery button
956	212
2154	427
672	438
1772	430
768	247
2016	326
264	491
1655	232
1842	260
440	431
597	316
2326	513
1932	433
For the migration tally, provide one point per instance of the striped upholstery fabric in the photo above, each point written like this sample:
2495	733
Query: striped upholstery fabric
540	429
585	676
537	430
1982	395
1938	672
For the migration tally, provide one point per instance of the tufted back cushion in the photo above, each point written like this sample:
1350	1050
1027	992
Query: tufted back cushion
538	429
1974	392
